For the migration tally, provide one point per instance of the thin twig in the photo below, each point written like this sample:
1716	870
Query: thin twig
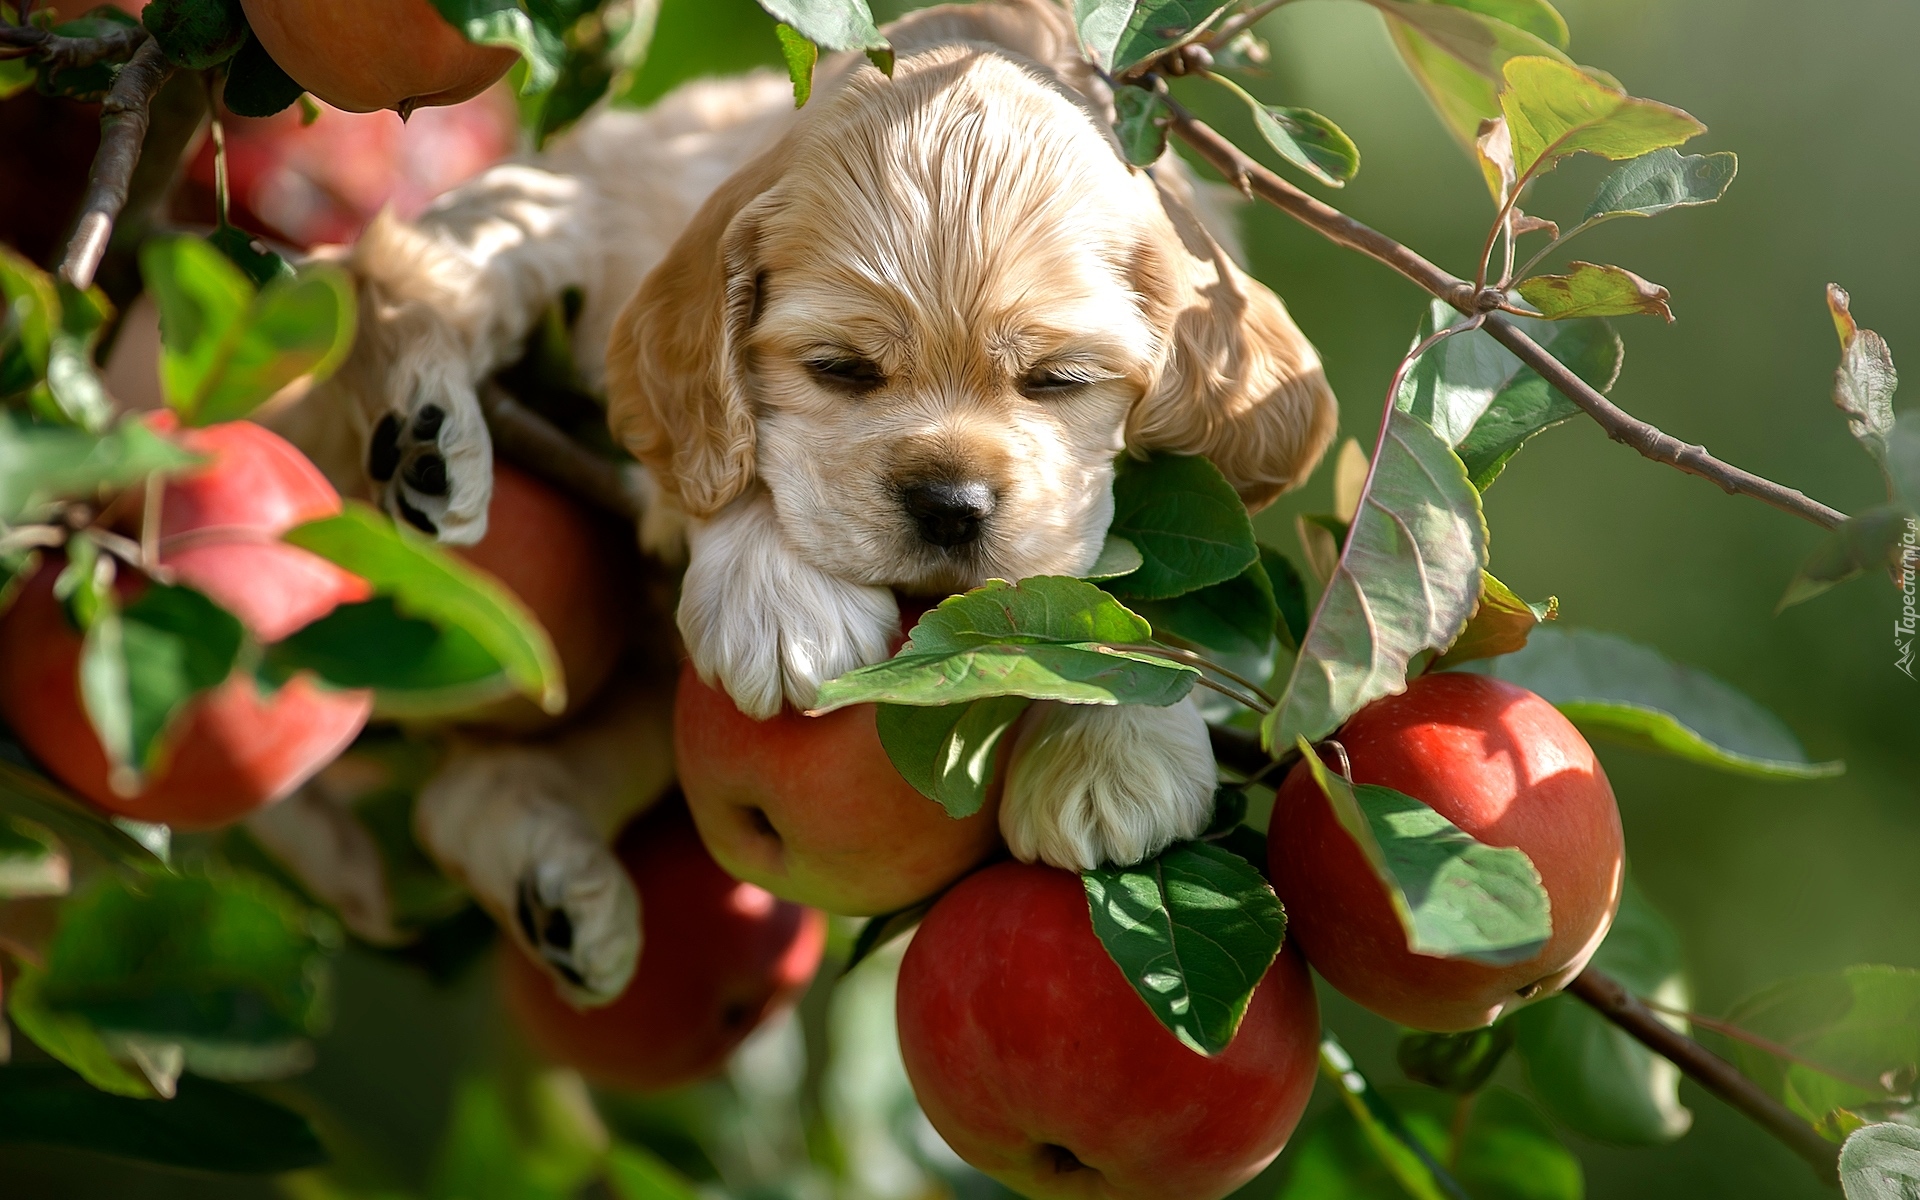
1608	997
64	53
530	441
1338	227
123	128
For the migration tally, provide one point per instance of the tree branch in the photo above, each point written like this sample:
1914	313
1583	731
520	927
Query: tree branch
528	440
123	128
1608	997
62	53
1255	180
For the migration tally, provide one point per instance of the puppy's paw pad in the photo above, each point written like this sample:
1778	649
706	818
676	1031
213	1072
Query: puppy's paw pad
582	923
433	465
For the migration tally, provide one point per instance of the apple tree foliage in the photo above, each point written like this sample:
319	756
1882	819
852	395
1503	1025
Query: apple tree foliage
180	973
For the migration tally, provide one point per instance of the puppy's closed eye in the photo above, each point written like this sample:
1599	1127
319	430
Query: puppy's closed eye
846	372
1058	380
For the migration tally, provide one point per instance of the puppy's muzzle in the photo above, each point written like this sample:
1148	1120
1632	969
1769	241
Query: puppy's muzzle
948	512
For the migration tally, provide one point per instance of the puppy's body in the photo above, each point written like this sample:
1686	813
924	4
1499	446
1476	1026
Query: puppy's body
893	341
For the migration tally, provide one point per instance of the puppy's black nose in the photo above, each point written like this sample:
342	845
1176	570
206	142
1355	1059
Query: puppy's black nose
948	512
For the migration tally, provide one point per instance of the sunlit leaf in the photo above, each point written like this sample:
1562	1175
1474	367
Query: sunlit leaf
1455	896
1407	581
1120	33
1865	381
1630	693
835	25
1554	109
1194	930
1881	1162
800	55
1455	54
1658	182
1501	625
429	583
536	31
1593	290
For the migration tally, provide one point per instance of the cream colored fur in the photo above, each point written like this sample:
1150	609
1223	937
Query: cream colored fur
967	229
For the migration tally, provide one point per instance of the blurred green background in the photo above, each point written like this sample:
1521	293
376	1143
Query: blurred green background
1762	880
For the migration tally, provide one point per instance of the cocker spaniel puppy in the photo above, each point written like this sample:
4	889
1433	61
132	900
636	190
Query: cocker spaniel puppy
893	342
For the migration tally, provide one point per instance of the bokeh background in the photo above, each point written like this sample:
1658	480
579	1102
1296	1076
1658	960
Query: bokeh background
1762	880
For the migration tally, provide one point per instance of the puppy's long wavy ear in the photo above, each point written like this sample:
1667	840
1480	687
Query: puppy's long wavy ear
676	360
1238	381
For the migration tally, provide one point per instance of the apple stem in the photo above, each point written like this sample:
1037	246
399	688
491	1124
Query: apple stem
1611	999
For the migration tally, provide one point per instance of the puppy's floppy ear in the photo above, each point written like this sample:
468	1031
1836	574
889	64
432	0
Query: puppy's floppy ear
676	360
1237	382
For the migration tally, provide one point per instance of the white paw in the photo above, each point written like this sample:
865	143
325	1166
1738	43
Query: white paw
431	457
1091	784
497	821
768	627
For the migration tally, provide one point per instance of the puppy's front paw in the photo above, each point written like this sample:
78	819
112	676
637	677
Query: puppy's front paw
432	459
1092	784
494	820
769	627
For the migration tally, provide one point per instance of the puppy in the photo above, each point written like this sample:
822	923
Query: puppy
895	340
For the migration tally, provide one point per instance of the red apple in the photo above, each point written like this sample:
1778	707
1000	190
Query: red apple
1041	1066
233	748
1506	767
811	809
574	568
363	55
717	958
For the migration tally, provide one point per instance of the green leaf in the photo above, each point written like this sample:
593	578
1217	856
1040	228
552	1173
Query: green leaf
1140	123
73	393
1186	520
800	55
1455	1062
1303	137
1074	674
835	25
1194	931
637	1173
534	30
1657	182
24	793
256	85
878	931
1456	54
1536	17
1861	1024
947	752
1501	625
1366	1148
1479	398
214	962
1456	897
1867	540
174	644
196	34
1865	382
227	349
33	314
40	464
1407	581
1554	109
72	1040
1042	609
32	860
207	1126
1591	1075
16	76
1238	617
418	668
1881	1162
1592	290
1118	557
260	265
1630	693
429	583
1289	594
1120	33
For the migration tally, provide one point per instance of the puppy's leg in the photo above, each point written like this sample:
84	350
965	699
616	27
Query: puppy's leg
764	623
444	301
1091	784
314	835
526	828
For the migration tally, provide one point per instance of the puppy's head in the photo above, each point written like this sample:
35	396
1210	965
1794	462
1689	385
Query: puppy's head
930	319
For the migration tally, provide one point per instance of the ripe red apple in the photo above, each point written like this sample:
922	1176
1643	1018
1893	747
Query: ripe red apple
1506	767
811	809
363	55
234	749
717	958
1041	1066
574	569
